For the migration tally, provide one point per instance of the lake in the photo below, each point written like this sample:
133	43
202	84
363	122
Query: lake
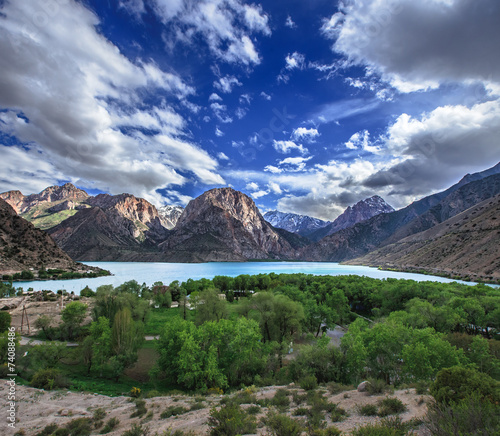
145	272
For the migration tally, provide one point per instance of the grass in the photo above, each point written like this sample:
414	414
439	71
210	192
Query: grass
159	317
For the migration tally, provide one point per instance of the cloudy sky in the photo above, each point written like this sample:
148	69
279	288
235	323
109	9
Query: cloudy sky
307	106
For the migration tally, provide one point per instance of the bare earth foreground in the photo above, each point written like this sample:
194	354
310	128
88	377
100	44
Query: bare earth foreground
37	408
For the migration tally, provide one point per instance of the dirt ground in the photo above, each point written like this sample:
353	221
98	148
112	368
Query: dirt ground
37	408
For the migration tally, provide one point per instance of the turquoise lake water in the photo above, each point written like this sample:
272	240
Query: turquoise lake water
145	272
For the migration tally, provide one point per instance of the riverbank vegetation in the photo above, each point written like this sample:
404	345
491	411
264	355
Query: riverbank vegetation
227	333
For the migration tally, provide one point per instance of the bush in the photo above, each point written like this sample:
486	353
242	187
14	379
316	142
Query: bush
368	410
390	406
330	431
376	386
457	383
49	379
231	420
79	427
48	430
309	383
5	320
469	416
173	411
336	388
111	424
135	392
136	430
140	409
338	414
282	425
281	400
387	427
253	409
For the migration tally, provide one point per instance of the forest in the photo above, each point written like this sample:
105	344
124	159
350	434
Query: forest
227	334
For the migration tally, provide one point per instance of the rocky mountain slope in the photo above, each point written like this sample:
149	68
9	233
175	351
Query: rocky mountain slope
302	224
361	211
23	247
464	246
224	225
388	228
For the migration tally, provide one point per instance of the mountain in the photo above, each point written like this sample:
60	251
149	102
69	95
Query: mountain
388	228
223	225
294	223
361	211
23	247
169	215
113	228
464	246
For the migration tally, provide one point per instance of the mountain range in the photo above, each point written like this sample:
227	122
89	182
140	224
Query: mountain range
225	225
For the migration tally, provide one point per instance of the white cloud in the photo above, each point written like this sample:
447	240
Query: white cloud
295	60
274	188
294	164
265	96
273	169
77	90
222	156
240	112
218	132
224	25
419	45
220	112
303	133
287	146
245	98
226	84
289	22
259	194
361	140
214	97
252	186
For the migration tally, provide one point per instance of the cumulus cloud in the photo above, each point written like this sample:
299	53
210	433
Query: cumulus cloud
303	133
69	94
295	61
361	140
226	84
419	45
252	186
289	22
225	26
218	132
222	156
214	97
265	96
220	111
287	146
258	194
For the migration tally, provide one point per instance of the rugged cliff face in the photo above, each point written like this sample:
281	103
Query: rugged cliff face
24	247
223	225
53	194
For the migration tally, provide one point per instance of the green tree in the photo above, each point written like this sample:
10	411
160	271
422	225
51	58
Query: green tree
73	315
209	306
5	320
43	322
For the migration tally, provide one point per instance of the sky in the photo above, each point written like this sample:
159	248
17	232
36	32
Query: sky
306	106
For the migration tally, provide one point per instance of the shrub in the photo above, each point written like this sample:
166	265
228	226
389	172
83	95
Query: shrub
376	386
367	410
281	400
99	414
173	411
253	409
48	379
298	398
136	430
140	409
135	392
421	387
457	383
48	430
309	383
387	427
338	414
196	406
468	416
330	431
282	425
301	411
336	388
390	406
231	420
111	424
79	427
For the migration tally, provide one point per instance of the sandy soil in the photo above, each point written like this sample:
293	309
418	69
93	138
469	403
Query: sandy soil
37	408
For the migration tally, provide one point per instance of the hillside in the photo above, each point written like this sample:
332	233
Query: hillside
465	246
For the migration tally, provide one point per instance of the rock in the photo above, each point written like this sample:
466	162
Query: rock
64	412
363	386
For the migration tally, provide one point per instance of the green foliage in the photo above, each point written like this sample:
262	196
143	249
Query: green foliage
309	383
173	411
140	409
282	425
209	306
376	386
231	420
87	292
43	322
47	355
455	384
387	427
469	416
368	410
390	406
5	320
110	425
281	400
49	379
136	430
73	315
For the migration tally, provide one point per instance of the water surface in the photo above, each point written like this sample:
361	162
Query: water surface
146	272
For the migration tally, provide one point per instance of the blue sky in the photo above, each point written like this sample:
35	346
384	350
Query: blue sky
307	106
